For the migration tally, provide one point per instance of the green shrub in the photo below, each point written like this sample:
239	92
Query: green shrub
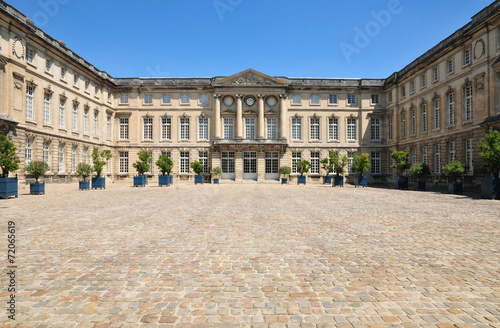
490	151
37	169
420	171
142	164
285	171
454	169
100	159
361	163
400	161
9	161
197	167
303	167
217	171
339	163
83	170
165	164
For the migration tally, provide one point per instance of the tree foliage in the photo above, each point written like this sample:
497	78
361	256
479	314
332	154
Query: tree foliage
303	166
420	171
9	161
37	169
197	167
400	161
142	164
83	170
361	163
454	169
100	159
490	151
165	164
339	163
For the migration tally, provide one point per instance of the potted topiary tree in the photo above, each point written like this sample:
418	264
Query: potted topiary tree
217	172
401	164
142	166
100	159
302	167
165	165
339	164
360	166
83	170
198	170
420	171
9	162
37	170
455	170
490	152
327	166
285	172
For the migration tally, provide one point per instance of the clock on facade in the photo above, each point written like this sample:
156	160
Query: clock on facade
228	101
250	101
271	101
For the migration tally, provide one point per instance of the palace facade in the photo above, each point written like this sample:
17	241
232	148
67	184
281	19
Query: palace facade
57	107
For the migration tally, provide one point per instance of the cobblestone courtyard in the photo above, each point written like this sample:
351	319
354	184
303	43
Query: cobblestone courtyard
252	255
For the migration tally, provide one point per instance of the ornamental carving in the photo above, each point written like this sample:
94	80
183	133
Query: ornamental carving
251	79
18	48
479	81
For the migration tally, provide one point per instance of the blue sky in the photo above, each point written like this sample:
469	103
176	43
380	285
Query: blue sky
294	38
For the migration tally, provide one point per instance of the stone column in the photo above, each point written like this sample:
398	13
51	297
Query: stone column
217	129
239	116
262	130
283	117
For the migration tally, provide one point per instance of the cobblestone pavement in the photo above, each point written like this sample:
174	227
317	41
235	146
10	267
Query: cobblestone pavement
252	255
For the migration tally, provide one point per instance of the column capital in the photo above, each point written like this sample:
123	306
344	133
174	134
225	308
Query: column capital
283	96
217	95
239	96
261	96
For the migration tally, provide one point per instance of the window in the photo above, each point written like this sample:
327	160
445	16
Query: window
375	163
436	114
62	112
391	128
73	159
150	169
166	129
403	91
333	129
124	98
108	127
315	129
165	99
375	129
351	129
403	125
96	91
203	158
63	72
296	129
184	162
184	128
468	156
85	153
468	104
467	57
184	99
413	153
203	128
437	159
272	162
30	90
449	66
60	158
75	117
390	96
109	96
451	109
332	99
46	108
423	81
123	128
228	128
123	165
315	163
452	152
271	128
351	99
148	99
227	162
166	153
423	117
148	129
350	161
296	157
425	155
96	124
85	120
412	87
375	100
296	99
250	128
203	99
30	55
315	100
75	79
87	84
435	74
28	151
48	64
413	121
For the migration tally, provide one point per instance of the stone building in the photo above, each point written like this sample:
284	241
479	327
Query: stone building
57	107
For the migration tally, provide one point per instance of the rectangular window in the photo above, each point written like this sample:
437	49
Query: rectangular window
403	125
351	99
124	129
250	128
123	165
467	57
46	152
30	55
85	153
437	159
204	99
148	129
315	163
48	64
96	91
75	79
452	152
315	129
109	96
425	155
413	125
150	169
184	99
468	104
296	157
423	81
96	124
332	99
166	153
315	100
63	72
73	159
46	108
449	66
413	153
435	74
165	99
375	100
436	120
412	87
227	162
350	161
271	128
468	157
148	99
390	96
272	162
30	91
203	128
203	159
62	112
184	128
108	127
451	109
375	162
403	91
85	120
296	99
375	129
75	117
87	84
333	129
60	158
28	151
351	129
391	128
124	98
228	128
296	129
166	129
423	117
184	162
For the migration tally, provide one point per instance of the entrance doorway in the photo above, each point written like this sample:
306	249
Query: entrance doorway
250	165
228	165
272	163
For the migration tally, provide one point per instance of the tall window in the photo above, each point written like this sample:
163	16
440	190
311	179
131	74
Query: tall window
296	157
203	128
48	64
75	117
46	152
449	66
86	120
123	98
403	91
351	129
271	128
123	165
333	129
166	129
75	79
351	99
28	151
412	86
85	154
203	158
315	99
204	98
296	129
350	161
124	129
46	108
62	112
425	155
228	128
437	159
452	152
30	91
96	124
468	156
436	120
375	129
60	158
451	109
375	100
250	128
184	128
403	125
73	159
148	129
423	117
184	162
332	99
315	129
413	122
423	81
468	104
467	57
148	99
87	84
413	153
375	163
30	55
315	163
63	72
391	128
108	127
435	74
390	97
184	99
96	91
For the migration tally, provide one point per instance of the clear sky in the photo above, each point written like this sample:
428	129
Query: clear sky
293	38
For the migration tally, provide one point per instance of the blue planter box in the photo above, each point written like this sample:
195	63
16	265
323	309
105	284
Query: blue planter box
99	183
327	179
37	188
301	180
8	187
140	181
362	182
163	180
420	186
284	181
170	179
496	188
457	188
84	185
403	183
216	181
338	181
198	179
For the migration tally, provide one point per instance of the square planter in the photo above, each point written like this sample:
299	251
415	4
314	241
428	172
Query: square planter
403	183
8	187
163	180
327	179
362	182
490	188
37	188
457	187
140	181
84	185
284	181
170	179
301	180
216	181
198	179
99	183
338	181
420	186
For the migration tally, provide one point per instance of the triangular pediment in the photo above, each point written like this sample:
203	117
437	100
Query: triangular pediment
250	77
